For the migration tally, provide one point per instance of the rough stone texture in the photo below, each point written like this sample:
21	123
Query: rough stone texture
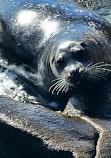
58	131
102	125
68	131
103	148
94	4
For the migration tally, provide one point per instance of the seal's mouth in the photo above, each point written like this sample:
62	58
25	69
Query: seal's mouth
92	72
68	80
75	76
73	79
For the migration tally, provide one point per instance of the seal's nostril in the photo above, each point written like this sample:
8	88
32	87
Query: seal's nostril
81	69
75	72
74	76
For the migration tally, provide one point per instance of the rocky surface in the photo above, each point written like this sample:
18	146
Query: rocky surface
102	126
94	4
70	130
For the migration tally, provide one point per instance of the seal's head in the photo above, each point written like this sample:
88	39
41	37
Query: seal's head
75	62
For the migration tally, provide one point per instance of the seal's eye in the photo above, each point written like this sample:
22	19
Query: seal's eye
60	62
52	61
80	55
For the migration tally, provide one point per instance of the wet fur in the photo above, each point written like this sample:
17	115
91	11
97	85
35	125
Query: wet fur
30	54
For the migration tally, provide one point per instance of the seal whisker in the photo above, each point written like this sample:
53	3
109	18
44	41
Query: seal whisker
59	84
57	79
89	65
95	78
67	87
106	65
105	69
93	66
64	89
98	72
55	84
98	63
57	87
99	66
61	88
100	76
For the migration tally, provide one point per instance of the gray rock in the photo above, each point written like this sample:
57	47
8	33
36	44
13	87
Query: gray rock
58	131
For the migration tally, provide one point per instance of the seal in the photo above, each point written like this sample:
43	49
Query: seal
60	47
